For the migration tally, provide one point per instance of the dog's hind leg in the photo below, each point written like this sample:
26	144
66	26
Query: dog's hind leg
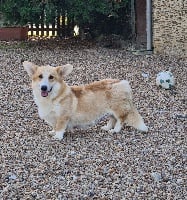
117	127
119	118
110	125
135	120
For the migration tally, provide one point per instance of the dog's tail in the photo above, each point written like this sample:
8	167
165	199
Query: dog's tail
133	117
135	120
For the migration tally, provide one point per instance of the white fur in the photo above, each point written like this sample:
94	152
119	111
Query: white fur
59	135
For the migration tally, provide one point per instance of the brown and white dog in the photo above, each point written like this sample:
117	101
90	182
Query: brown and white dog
65	107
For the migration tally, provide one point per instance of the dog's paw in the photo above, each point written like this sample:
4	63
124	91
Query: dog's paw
52	133
116	129
112	131
142	127
105	128
59	135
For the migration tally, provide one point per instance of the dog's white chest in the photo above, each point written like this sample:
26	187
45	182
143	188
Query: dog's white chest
47	113
44	110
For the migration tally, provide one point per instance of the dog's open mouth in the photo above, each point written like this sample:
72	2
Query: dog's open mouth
45	93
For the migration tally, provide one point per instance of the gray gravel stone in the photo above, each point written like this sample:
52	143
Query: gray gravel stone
91	163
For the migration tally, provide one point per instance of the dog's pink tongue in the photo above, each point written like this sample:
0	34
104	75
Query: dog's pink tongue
44	93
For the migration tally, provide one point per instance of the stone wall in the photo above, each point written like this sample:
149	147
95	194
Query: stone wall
170	27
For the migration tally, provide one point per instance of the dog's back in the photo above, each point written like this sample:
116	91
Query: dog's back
98	98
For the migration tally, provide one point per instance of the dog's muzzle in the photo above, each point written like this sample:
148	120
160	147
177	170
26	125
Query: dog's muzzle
44	91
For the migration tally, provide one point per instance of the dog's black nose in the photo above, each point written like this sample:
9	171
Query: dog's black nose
44	88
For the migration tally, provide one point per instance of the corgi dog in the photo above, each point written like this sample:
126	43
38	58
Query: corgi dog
64	107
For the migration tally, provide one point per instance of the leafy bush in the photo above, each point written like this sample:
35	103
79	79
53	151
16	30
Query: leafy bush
21	12
106	16
86	11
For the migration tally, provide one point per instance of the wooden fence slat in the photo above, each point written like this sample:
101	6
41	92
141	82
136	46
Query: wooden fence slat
47	29
63	29
53	28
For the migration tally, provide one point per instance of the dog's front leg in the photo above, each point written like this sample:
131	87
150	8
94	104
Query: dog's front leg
61	127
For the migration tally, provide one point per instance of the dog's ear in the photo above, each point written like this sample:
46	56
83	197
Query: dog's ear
64	70
29	67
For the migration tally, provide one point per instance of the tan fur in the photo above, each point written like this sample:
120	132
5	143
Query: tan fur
65	107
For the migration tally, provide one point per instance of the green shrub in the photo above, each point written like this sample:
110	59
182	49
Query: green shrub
104	16
21	12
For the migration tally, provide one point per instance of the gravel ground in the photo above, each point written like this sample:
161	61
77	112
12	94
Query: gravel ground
92	164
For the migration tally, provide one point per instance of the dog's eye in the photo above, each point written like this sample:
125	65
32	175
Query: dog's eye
51	77
40	76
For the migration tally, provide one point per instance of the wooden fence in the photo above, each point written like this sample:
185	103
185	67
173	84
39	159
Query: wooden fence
62	27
